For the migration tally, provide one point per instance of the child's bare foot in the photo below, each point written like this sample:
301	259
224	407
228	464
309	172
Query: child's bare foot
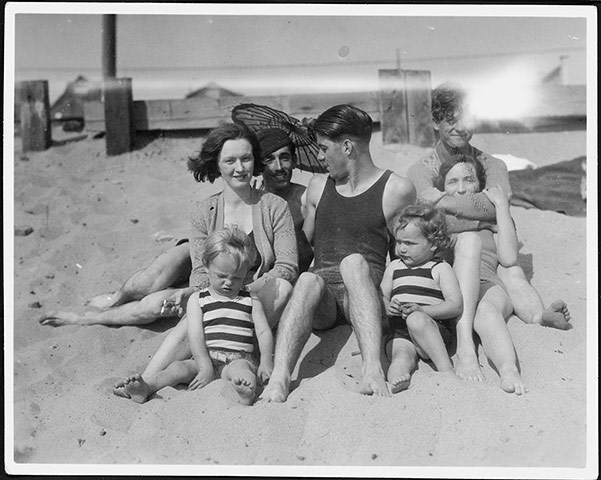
373	383
246	389
557	316
102	302
400	383
467	368
59	319
134	388
511	381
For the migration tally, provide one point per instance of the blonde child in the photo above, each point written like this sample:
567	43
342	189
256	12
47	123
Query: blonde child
464	175
421	294
222	321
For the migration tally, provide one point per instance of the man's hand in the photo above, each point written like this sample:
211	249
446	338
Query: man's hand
175	304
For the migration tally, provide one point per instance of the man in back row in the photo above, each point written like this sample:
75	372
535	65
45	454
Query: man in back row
473	212
160	289
347	219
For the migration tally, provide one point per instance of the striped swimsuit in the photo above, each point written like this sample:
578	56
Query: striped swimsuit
413	285
228	327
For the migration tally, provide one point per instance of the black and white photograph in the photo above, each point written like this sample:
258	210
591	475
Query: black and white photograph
311	240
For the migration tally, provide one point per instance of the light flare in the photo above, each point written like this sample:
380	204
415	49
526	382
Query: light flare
509	94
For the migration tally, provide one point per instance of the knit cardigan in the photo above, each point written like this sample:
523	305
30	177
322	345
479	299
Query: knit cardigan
273	231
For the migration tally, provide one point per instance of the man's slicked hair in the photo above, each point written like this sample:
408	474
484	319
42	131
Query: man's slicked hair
342	120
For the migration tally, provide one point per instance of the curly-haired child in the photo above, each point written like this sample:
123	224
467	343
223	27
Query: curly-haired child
421	295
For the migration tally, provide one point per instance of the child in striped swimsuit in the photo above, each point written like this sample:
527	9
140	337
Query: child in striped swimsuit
421	293
222	321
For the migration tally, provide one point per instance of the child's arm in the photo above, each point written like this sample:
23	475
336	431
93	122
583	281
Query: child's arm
265	340
452	305
196	337
391	307
507	240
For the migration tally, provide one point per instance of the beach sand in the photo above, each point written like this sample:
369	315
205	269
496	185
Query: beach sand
96	219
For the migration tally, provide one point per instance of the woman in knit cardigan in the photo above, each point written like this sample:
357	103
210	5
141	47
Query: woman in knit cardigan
229	152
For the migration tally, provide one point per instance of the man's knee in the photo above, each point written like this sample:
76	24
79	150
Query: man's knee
309	283
354	265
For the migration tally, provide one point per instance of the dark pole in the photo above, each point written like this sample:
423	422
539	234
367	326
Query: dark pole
109	44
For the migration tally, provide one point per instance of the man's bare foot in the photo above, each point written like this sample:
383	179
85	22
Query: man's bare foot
246	389
400	383
59	319
511	381
134	388
557	316
276	391
467	368
102	302
373	383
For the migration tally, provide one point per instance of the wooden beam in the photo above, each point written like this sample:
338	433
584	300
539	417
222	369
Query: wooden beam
36	132
564	104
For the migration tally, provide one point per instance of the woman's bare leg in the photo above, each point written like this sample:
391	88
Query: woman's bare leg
490	324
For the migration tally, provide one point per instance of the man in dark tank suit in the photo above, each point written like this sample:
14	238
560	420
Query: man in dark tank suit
346	219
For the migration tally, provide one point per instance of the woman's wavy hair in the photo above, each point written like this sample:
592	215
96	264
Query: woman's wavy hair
455	159
431	222
205	166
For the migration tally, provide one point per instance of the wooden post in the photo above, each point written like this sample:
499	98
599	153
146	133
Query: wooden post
118	115
405	103
36	131
109	46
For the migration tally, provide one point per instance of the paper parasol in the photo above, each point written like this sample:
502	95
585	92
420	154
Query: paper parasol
260	117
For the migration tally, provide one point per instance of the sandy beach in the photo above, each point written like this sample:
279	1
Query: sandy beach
96	219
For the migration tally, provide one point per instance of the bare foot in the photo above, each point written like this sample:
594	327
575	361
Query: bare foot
467	368
246	389
400	383
102	302
557	316
373	383
276	391
134	388
58	319
511	381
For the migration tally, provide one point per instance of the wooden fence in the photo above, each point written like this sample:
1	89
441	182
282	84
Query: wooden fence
401	107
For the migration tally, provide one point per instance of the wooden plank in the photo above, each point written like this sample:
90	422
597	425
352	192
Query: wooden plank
196	113
36	132
119	116
419	108
393	106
